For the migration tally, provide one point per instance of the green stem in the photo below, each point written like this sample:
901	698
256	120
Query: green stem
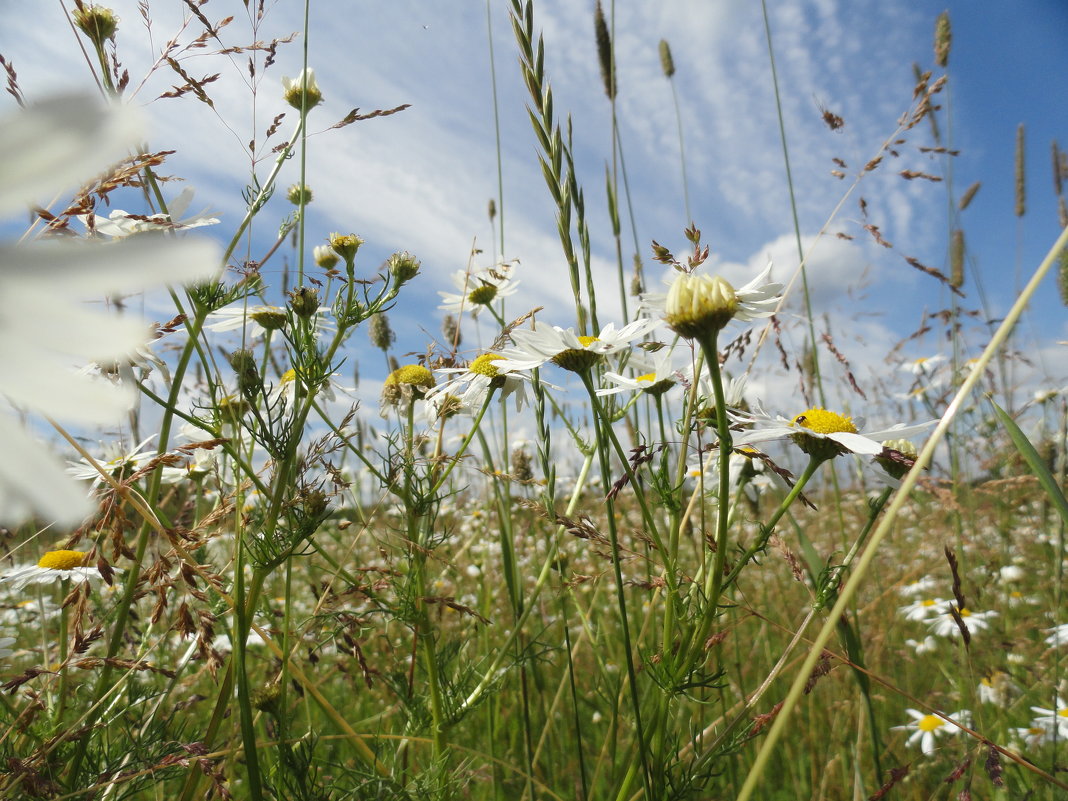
603	426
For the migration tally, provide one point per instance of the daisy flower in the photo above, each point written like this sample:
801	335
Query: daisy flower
923	366
302	92
46	328
289	387
54	566
545	343
919	586
821	432
924	609
1033	736
472	383
926	728
998	688
257	320
696	302
945	626
1052	719
924	646
117	462
477	290
120	224
659	377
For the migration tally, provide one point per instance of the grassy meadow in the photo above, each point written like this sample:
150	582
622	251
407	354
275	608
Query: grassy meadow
579	560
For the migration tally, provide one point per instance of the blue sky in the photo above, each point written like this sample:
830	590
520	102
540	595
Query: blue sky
421	180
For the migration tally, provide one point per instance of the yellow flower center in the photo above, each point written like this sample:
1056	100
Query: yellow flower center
824	422
483	365
647	378
414	374
930	723
929	602
63	560
587	341
1062	713
482	295
965	613
271	318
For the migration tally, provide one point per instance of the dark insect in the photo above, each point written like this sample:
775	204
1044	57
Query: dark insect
834	122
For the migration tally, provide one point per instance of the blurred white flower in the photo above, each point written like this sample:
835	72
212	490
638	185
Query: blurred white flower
924	609
919	587
1058	635
46	331
121	223
946	626
998	688
116	461
1051	720
924	646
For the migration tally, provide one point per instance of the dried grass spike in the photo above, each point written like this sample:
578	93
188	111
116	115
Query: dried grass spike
969	193
667	63
604	52
943	39
956	259
1021	195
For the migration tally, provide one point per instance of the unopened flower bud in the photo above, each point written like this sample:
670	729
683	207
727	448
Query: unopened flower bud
403	266
299	194
304	301
325	257
97	23
247	373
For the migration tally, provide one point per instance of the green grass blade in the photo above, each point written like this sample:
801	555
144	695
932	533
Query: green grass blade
1034	461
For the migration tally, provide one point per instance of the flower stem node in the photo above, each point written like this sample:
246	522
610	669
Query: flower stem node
97	23
824	422
302	92
699	305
